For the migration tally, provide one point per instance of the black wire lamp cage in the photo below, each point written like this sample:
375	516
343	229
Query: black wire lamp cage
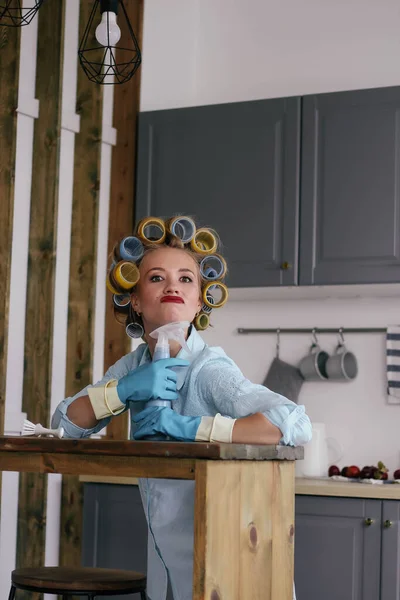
16	13
99	56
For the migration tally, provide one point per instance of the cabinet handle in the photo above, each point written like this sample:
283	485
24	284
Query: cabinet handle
286	266
368	522
387	524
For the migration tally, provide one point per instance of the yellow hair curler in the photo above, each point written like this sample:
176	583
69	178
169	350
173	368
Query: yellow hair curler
201	322
204	241
215	285
111	285
146	228
126	274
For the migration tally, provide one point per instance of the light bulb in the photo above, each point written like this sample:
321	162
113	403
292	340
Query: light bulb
108	32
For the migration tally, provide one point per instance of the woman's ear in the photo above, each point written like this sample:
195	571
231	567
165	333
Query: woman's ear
135	303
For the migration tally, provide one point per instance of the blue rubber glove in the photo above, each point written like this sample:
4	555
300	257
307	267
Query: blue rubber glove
151	381
160	419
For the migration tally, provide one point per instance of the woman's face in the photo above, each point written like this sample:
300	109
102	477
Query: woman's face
168	289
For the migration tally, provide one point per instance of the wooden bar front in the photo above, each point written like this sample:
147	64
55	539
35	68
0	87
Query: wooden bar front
244	502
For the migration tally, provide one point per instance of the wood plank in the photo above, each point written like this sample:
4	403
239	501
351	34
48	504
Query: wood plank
9	69
126	108
41	274
109	480
281	509
82	282
250	528
77	464
156	449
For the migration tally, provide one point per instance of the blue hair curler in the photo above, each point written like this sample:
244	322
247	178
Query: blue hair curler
122	301
183	228
212	267
131	248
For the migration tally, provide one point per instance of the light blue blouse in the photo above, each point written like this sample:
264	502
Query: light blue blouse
211	384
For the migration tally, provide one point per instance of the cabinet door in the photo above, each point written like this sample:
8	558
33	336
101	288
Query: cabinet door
235	167
350	193
390	579
336	554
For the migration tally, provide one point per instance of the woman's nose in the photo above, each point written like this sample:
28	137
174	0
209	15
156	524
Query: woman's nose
171	286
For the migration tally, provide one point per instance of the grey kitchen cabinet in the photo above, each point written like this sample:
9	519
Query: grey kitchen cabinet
235	167
390	575
347	548
114	529
350	193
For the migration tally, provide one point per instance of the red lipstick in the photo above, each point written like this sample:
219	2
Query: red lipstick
176	299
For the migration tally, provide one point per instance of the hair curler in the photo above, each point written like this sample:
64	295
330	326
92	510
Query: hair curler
217	285
205	241
122	302
183	228
131	248
151	229
213	267
125	274
202	321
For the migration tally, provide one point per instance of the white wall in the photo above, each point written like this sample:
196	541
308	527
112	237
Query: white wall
209	51
357	413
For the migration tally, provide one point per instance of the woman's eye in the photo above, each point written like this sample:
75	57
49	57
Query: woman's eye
186	279
156	278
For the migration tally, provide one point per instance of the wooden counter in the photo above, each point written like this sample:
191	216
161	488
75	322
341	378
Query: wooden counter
244	502
329	487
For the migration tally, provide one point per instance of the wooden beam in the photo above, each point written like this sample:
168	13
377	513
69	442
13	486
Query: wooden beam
126	108
82	282
9	67
41	274
77	464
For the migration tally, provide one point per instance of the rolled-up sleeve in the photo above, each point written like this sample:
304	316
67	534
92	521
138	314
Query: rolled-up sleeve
60	418
232	394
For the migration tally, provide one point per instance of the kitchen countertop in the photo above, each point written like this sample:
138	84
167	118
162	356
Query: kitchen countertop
304	486
329	487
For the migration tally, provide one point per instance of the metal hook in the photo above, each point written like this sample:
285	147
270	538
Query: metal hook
314	337
278	339
341	336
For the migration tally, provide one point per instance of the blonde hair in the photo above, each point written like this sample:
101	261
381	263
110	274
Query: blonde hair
124	312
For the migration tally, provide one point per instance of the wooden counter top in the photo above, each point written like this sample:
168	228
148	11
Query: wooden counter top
176	460
329	487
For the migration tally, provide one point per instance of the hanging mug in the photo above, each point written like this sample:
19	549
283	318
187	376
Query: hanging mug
313	366
342	366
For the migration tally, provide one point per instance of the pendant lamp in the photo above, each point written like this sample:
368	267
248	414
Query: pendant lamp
102	60
16	13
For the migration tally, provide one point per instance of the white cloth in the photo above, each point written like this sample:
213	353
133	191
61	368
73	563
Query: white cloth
393	363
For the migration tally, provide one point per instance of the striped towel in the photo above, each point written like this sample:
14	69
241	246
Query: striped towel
393	363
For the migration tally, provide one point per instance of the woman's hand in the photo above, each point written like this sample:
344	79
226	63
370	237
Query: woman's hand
160	419
151	381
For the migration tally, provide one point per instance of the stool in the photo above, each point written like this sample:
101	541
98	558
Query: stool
79	581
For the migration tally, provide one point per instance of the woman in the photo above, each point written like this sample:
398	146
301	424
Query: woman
161	276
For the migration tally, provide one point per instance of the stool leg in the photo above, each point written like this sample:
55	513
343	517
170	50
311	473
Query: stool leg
12	593
143	596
